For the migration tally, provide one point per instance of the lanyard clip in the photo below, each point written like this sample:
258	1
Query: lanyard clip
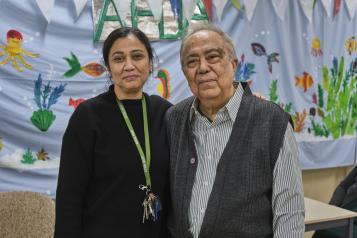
146	188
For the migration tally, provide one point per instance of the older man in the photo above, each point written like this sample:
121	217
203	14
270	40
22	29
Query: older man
234	167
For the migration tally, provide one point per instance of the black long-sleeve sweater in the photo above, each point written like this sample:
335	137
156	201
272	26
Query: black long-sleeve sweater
100	170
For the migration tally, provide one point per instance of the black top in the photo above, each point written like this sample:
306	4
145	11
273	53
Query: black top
100	170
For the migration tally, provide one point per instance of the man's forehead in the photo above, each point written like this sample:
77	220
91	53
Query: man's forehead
204	41
206	49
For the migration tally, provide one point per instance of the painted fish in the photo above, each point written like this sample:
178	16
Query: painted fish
92	69
165	87
351	45
259	50
305	81
75	102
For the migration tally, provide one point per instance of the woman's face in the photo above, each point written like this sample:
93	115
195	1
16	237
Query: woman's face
129	65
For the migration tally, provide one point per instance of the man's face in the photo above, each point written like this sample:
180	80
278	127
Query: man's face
207	65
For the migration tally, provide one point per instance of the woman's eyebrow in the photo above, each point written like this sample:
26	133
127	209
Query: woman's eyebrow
117	53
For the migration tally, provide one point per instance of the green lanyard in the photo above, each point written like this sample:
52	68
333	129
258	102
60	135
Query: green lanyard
144	159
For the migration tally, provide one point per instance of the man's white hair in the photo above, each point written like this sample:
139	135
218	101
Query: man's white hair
205	26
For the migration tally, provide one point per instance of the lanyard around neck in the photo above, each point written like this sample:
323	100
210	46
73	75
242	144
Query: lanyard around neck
144	159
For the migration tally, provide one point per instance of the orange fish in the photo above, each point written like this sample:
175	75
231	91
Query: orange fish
94	69
75	102
305	81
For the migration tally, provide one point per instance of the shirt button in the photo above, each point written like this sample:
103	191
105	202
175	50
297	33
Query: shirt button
205	183
209	157
192	160
202	211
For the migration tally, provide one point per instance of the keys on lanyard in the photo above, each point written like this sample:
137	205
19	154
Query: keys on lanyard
151	205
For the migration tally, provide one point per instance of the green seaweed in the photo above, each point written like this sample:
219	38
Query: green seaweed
43	119
320	96
339	91
288	107
318	129
273	95
45	97
27	157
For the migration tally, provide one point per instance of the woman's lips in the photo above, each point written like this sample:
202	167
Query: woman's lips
130	77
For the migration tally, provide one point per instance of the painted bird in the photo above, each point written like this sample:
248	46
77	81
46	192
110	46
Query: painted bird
93	69
259	50
305	81
165	87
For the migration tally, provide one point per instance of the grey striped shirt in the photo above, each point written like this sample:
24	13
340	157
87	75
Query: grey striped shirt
210	140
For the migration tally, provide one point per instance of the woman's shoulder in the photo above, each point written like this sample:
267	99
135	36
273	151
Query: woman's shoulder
100	99
93	104
159	102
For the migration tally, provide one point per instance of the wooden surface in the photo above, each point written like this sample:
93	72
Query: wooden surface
316	211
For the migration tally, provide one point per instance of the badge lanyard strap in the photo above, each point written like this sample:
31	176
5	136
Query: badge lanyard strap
144	159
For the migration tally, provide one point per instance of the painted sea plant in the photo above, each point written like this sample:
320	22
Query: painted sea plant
45	97
244	70
273	96
336	101
298	118
27	157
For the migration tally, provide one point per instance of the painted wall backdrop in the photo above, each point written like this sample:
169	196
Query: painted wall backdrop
299	54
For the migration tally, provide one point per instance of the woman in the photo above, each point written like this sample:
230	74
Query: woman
108	185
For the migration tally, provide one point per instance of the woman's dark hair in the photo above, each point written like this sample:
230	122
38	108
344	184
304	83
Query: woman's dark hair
121	33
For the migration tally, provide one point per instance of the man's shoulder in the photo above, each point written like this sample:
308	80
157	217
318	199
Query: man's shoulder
270	111
263	105
181	107
177	114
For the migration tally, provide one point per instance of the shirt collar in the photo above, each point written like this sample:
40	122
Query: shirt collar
232	106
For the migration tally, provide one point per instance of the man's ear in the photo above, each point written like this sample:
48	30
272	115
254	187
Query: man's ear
235	64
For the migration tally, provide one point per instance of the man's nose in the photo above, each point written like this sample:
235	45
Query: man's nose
203	66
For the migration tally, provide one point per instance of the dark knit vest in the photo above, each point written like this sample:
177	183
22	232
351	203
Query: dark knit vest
240	201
